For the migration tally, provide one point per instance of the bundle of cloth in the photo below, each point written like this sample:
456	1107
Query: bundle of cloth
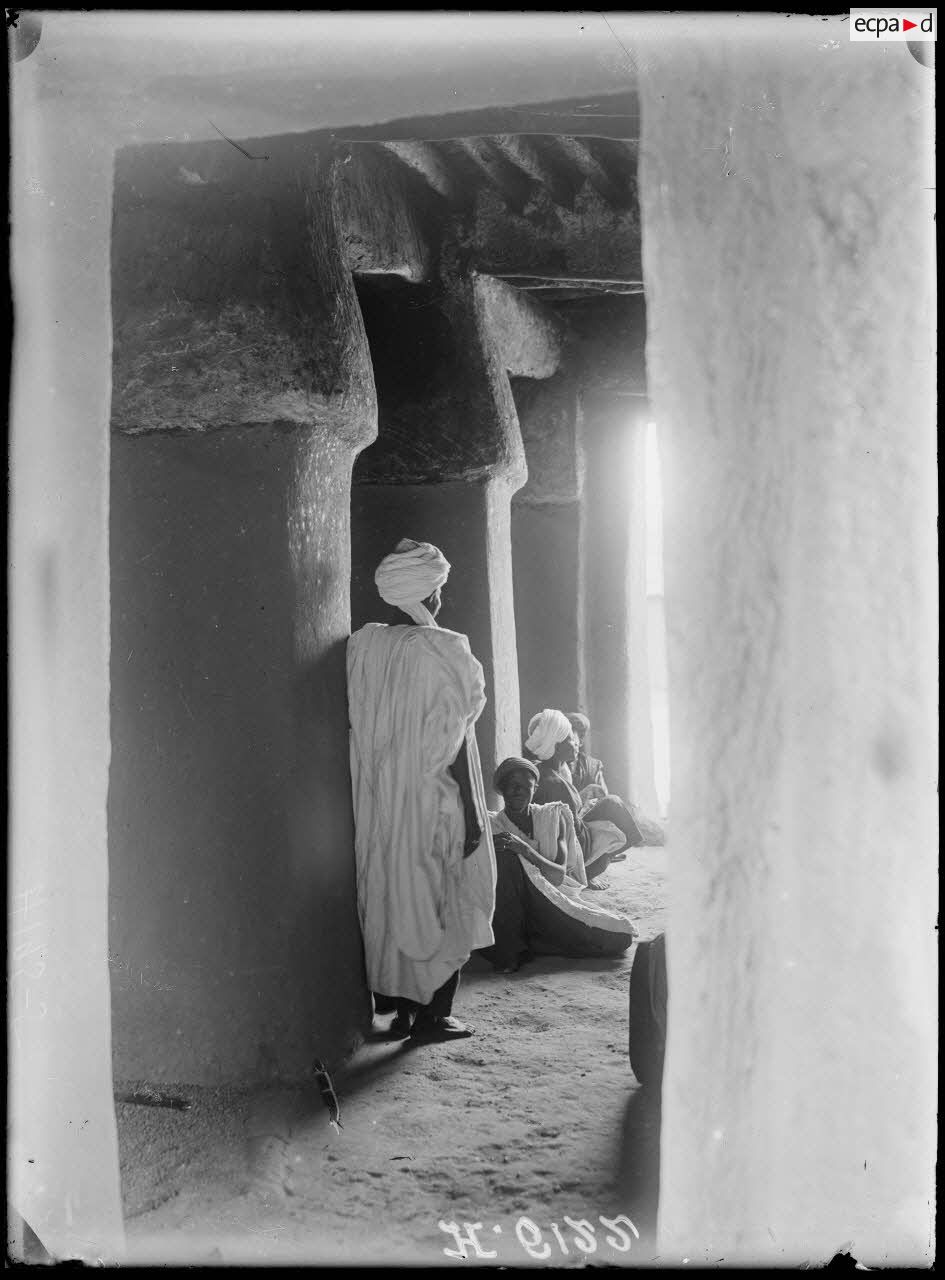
541	880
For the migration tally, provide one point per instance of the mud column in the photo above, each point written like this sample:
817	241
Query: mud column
788	245
548	548
242	391
606	356
609	459
448	459
579	543
614	547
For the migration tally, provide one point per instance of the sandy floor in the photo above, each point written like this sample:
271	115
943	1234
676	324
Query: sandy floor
534	1121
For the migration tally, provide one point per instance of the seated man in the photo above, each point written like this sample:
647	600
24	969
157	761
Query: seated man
586	771
605	826
539	908
587	774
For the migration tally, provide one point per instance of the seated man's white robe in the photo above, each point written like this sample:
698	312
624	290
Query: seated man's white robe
414	695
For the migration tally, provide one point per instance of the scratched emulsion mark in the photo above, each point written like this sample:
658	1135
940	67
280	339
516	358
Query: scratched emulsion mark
242	150
728	155
136	976
329	1097
29	939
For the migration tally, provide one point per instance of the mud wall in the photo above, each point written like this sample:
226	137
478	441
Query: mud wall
787	248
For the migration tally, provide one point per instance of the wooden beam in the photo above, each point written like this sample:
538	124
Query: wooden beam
522	152
425	160
591	169
514	185
618	156
555	280
570	293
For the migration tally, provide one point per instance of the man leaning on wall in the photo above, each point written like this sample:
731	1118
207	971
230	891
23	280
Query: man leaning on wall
425	861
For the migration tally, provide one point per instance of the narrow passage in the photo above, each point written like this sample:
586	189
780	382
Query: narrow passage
535	1128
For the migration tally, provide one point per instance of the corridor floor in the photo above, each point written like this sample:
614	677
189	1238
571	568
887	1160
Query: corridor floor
534	1128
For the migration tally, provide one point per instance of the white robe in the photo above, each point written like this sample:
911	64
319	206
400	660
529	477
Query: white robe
551	823
561	884
414	695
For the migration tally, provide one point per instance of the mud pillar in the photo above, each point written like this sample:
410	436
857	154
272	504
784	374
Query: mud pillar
507	705
548	548
610	359
63	1152
788	244
609	436
243	390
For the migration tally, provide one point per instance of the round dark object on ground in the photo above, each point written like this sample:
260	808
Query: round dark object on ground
647	1009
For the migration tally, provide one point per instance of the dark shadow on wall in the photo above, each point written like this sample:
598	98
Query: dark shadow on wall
321	835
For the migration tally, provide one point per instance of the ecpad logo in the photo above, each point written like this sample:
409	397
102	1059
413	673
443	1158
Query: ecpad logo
909	24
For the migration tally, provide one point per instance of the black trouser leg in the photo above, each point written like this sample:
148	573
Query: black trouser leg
440	1004
509	920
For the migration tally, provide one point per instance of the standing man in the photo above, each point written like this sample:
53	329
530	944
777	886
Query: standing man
423	847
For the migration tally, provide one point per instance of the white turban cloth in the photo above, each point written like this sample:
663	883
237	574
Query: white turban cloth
411	574
545	731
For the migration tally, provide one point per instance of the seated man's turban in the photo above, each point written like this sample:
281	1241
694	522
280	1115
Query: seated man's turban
514	764
411	574
545	731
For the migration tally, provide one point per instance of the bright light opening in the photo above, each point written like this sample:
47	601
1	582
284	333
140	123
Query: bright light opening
656	619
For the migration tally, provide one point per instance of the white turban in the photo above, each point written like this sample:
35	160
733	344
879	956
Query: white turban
545	731
410	574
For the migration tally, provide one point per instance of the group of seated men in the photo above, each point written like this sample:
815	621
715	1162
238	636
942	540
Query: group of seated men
558	829
568	775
